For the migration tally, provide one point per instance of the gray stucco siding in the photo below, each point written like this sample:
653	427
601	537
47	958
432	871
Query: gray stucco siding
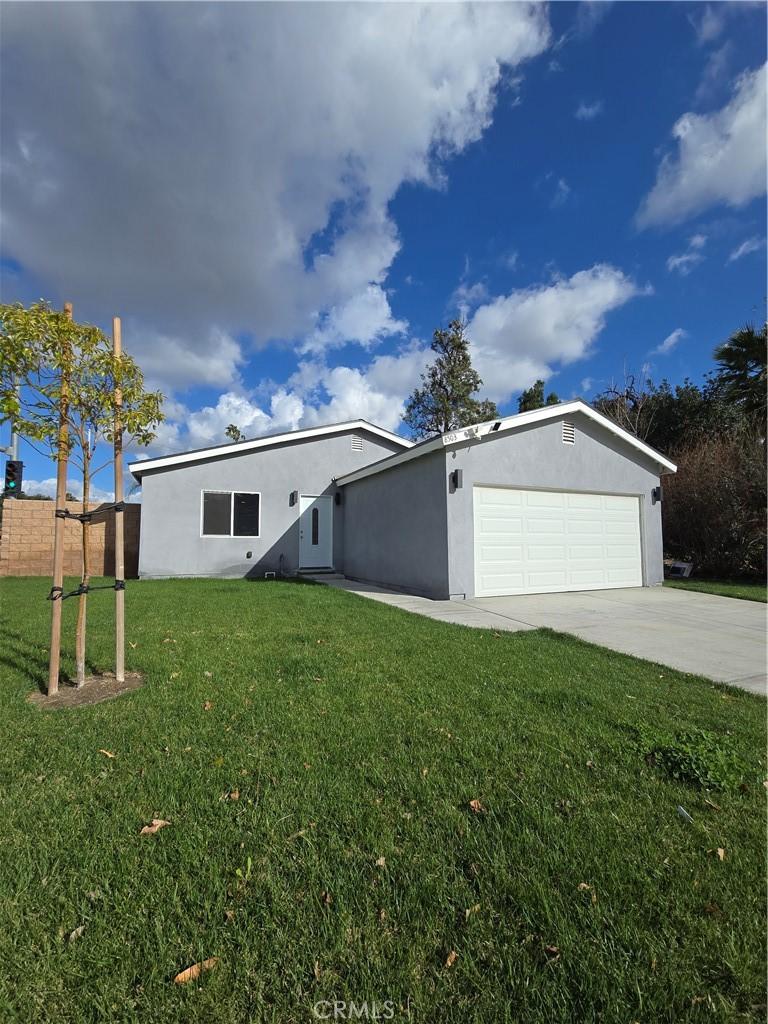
395	530
171	542
535	457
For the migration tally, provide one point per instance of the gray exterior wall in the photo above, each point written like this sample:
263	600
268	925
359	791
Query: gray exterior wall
171	544
535	457
405	529
395	529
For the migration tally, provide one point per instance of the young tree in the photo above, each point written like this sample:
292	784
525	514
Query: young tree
445	400
42	351
533	398
742	371
234	433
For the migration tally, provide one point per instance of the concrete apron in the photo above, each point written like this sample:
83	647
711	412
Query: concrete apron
721	638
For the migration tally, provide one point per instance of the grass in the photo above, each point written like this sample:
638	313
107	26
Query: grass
745	590
354	732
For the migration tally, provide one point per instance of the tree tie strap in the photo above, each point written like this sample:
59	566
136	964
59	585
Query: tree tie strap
86	517
57	593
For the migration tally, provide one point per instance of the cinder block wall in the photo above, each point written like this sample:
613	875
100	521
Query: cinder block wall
26	539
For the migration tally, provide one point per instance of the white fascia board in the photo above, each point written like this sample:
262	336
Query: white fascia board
168	461
507	424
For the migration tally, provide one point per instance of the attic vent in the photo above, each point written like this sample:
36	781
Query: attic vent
569	432
357	443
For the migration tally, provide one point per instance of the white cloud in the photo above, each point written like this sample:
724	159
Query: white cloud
314	395
711	23
586	385
216	173
720	158
520	337
47	487
366	319
715	71
684	262
561	193
753	244
669	342
468	296
589	14
589	111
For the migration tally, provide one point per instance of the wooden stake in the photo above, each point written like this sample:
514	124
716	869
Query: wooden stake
119	517
62	455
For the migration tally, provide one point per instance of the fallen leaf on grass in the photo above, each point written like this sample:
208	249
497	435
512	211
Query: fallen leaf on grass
476	807
193	973
326	898
381	862
719	853
316	970
208	675
231	794
157	824
553	953
131	644
208	706
714	806
470	911
168	640
107	753
229	916
451	958
75	935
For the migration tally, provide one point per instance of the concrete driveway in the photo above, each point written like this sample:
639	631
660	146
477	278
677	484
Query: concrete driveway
718	637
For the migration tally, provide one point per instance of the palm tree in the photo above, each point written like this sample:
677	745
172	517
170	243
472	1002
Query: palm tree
742	370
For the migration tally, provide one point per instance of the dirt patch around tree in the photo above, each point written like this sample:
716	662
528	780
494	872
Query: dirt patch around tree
96	689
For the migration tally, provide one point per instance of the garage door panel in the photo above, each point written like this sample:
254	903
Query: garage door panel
559	541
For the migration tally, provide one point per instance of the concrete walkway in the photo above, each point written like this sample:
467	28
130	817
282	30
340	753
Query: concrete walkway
718	637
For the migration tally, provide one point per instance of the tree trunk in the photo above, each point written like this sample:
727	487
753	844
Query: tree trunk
86	575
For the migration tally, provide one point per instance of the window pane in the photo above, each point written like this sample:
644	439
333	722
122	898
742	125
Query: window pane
246	515
217	514
315	526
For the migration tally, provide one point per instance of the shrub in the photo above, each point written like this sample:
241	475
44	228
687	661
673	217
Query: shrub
715	505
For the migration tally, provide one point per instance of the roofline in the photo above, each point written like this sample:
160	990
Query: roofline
238	447
508	423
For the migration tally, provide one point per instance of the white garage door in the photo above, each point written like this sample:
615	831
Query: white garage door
537	542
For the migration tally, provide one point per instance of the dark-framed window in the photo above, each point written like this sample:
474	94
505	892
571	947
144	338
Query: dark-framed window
230	514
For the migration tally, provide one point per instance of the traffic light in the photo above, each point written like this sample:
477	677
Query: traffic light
13	470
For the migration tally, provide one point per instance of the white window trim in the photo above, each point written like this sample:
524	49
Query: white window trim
231	534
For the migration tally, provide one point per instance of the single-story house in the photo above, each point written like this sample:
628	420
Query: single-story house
556	499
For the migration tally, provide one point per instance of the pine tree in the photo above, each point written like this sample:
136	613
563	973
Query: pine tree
533	398
445	400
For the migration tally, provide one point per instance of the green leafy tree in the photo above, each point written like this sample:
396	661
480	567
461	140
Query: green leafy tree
44	352
533	398
445	401
741	374
234	433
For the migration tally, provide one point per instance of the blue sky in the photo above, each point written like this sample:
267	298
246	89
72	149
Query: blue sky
284	201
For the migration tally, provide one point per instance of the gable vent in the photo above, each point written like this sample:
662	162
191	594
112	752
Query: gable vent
569	432
357	443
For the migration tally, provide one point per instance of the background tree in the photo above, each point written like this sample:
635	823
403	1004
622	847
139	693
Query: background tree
714	506
446	401
234	433
533	398
742	371
40	346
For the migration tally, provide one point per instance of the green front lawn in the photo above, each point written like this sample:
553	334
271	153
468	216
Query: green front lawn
743	589
352	866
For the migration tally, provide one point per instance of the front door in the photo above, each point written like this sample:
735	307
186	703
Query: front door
316	531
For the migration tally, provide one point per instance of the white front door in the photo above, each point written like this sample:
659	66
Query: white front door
316	531
538	542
